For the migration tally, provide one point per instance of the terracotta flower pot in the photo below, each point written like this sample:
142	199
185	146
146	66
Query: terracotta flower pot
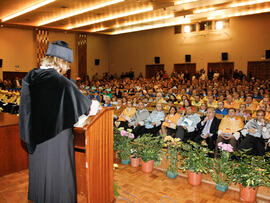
134	162
248	194
194	178
147	167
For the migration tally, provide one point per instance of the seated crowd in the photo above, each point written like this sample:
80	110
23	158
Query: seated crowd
235	111
9	101
10	95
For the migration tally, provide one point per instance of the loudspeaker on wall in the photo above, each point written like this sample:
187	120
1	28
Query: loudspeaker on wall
267	54
224	56
187	58
1	63
157	59
97	61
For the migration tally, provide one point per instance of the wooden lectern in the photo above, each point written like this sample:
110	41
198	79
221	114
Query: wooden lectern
94	157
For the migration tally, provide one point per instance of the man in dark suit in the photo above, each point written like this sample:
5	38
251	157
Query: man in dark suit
208	129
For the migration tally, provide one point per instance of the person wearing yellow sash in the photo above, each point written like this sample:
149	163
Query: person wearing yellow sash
229	103
126	115
250	104
263	107
237	99
228	129
169	125
211	102
197	102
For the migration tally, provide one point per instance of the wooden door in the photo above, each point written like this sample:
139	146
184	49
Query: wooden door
183	67
150	70
259	69
223	68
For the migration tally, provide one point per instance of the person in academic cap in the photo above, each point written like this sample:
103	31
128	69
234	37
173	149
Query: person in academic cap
50	105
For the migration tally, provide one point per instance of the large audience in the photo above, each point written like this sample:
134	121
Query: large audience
210	108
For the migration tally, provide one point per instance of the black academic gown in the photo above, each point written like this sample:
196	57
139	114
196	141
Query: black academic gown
50	106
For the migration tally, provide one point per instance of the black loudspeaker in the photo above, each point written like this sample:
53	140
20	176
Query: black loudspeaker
188	58
157	59
267	54
224	56
97	62
1	63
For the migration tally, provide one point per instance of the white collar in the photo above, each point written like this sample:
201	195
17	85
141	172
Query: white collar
45	67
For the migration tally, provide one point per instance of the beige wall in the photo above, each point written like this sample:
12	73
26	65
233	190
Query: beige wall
17	48
97	48
245	39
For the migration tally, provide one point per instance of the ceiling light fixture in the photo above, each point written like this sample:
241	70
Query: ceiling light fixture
112	17
247	3
149	27
250	12
139	22
26	10
148	20
184	2
204	10
98	29
74	13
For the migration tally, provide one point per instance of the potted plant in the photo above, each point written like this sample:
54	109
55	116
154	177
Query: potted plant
116	141
124	145
149	150
250	172
194	159
221	167
134	158
172	144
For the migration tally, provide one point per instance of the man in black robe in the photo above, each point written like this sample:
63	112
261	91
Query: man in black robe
50	106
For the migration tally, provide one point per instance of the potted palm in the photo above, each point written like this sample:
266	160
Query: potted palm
124	145
149	149
194	160
172	144
250	172
221	167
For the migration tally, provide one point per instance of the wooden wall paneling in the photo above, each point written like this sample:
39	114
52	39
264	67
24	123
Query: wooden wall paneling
42	43
259	69
82	54
224	68
150	70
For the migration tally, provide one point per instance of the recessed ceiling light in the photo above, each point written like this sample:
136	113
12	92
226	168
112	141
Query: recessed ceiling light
148	27
184	2
124	14
26	10
78	12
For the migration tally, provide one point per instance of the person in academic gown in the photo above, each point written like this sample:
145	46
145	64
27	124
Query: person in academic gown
50	106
